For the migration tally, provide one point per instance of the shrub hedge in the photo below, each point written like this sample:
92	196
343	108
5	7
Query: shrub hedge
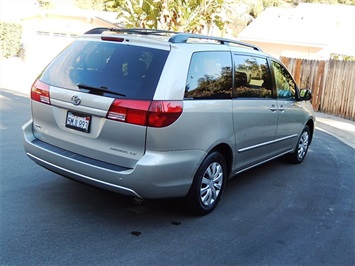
10	39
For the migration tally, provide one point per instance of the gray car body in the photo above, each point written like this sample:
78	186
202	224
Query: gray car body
148	162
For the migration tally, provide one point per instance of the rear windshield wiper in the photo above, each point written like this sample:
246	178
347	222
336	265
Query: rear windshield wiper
100	89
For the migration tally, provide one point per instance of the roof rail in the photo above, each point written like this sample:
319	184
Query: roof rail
145	31
178	37
184	37
97	30
140	31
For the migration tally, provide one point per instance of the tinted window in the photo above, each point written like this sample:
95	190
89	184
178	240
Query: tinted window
286	87
209	76
252	77
130	70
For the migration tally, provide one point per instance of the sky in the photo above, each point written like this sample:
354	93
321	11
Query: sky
13	10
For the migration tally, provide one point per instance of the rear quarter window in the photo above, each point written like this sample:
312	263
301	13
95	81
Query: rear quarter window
209	76
133	71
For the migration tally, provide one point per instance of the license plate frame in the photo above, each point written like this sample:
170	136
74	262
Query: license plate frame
78	121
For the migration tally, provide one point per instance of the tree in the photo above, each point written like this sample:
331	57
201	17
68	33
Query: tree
199	16
91	4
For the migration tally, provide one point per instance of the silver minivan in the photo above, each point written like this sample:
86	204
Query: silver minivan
157	114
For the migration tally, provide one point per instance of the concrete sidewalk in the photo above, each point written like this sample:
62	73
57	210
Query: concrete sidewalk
343	129
17	76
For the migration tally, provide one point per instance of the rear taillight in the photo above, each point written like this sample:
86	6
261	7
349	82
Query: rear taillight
129	111
40	92
164	113
145	113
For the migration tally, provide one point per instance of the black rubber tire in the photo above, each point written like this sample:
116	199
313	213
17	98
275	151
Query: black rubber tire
208	185
302	147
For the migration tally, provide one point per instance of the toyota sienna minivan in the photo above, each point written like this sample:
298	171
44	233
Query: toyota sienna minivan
158	114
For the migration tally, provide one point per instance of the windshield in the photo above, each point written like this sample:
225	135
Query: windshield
131	71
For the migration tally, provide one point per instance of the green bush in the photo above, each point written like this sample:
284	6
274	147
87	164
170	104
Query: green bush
10	39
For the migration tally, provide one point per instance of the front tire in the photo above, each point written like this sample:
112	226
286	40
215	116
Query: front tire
302	146
208	184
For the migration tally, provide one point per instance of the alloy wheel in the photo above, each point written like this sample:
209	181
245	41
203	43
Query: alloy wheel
211	184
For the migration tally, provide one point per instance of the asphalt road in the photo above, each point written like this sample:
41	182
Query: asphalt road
276	214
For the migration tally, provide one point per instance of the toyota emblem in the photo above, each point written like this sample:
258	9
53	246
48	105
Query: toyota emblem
75	99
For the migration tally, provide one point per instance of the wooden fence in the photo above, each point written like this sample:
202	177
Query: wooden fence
332	84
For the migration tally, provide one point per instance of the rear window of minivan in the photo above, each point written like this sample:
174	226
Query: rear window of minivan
130	71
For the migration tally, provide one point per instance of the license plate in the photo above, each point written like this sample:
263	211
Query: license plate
78	121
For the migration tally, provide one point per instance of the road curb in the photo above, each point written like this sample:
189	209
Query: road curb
342	129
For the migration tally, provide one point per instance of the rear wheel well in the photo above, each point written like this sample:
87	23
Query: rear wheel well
227	153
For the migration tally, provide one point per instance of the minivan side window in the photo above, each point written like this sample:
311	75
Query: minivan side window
252	77
209	76
286	87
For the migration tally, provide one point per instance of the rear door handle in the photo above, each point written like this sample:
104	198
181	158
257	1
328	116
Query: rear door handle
273	108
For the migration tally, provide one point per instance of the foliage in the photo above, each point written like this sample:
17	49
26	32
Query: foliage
91	4
177	15
342	57
255	7
45	4
199	16
10	39
346	2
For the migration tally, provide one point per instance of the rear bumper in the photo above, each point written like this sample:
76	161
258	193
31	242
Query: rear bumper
156	175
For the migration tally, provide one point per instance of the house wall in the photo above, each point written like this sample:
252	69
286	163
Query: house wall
44	36
294	51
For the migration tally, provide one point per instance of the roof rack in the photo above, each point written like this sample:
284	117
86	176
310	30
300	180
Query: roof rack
146	31
184	37
178	37
98	30
140	31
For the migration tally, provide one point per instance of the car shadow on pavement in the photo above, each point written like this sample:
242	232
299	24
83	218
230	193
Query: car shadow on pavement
88	200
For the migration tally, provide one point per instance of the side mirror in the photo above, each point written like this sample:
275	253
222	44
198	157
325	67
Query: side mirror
305	95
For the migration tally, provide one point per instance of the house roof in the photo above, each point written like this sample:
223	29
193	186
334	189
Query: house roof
110	17
311	25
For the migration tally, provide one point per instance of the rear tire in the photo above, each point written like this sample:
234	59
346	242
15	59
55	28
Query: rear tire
208	184
302	146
